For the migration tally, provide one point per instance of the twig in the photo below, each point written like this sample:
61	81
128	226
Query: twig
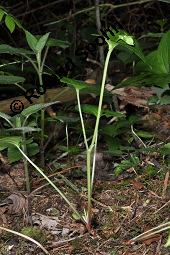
162	207
39	8
112	6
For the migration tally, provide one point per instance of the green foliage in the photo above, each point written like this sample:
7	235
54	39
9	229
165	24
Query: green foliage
10	21
79	85
126	164
8	79
154	68
35	108
19	124
168	242
35	44
34	233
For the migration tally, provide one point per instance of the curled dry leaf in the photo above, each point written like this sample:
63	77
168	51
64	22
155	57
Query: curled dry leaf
17	203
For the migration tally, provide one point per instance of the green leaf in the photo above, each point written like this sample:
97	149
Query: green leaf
66	119
136	49
165	100
126	164
9	21
59	43
1	14
146	79
9	79
144	134
6	117
31	40
14	154
32	149
14	140
3	147
164	52
75	83
91	109
109	113
35	108
5	48
168	242
18	23
165	149
42	42
25	129
76	216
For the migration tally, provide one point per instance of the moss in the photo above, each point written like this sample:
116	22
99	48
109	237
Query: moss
34	233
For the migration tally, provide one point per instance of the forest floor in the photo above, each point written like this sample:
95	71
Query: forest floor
122	209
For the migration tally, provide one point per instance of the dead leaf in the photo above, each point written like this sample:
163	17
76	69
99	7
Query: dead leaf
155	238
19	203
136	184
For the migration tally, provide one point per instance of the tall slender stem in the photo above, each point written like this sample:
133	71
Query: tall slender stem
88	161
81	118
27	178
101	98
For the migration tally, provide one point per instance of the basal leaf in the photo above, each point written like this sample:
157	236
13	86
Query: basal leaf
14	140
9	22
25	129
32	149
35	108
6	117
14	154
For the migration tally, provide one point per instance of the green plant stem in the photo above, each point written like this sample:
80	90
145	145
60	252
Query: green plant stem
93	146
42	98
95	134
81	118
51	183
27	178
88	161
